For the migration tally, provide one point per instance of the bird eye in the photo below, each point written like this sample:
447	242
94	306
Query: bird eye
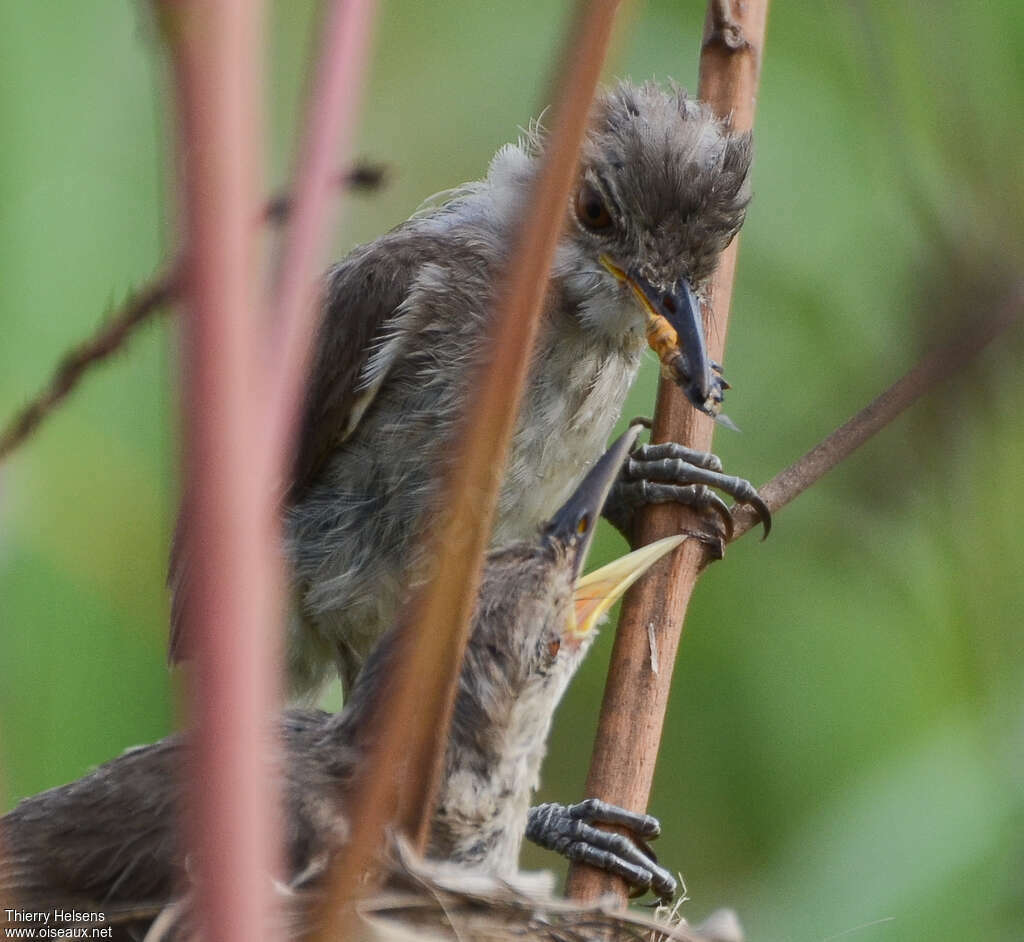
554	645
590	208
583	525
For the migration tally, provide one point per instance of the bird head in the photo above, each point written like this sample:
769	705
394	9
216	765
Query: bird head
537	615
663	189
569	535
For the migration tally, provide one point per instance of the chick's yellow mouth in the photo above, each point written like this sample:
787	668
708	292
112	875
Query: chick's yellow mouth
598	591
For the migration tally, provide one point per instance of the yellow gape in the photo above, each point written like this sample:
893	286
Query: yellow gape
599	590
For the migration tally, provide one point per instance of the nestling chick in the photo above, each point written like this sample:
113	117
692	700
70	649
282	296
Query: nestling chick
110	840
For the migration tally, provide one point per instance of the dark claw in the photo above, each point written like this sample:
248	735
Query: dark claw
569	831
678	370
711	501
722	381
763	514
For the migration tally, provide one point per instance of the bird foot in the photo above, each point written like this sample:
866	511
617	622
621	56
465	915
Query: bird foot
569	830
658	474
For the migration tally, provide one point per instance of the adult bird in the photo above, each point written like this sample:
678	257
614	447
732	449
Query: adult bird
110	842
663	188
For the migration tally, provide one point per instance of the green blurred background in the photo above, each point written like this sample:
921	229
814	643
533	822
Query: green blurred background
845	748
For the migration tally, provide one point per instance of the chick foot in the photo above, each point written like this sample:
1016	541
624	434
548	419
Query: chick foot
569	831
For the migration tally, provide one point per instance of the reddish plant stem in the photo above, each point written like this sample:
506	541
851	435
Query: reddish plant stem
248	387
636	693
232	806
329	127
416	708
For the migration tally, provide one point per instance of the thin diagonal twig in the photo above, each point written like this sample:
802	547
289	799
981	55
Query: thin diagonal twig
155	295
925	376
76	362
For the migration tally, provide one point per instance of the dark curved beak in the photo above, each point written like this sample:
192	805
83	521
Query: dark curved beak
680	307
576	521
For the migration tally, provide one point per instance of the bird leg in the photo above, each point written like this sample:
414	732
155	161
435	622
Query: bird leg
659	474
569	831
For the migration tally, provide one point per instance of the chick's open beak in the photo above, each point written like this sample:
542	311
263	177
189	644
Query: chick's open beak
575	522
678	307
598	591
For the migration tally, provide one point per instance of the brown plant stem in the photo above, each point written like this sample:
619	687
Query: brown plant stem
636	693
214	47
76	362
156	294
882	410
414	714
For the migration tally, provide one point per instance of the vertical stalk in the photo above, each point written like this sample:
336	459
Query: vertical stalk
329	125
242	395
412	724
636	695
215	48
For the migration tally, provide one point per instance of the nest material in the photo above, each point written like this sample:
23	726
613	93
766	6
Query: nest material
441	904
427	901
460	917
